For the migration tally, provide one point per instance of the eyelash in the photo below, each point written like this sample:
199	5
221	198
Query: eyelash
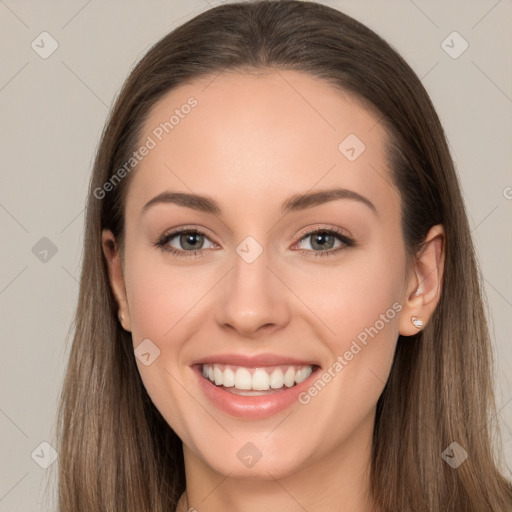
164	240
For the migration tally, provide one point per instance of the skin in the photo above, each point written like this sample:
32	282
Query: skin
251	143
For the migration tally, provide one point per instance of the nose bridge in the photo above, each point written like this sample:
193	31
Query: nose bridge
252	296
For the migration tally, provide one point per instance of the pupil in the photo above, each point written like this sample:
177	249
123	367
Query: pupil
323	239
189	239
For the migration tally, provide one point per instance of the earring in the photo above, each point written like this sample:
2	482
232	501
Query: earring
418	291
121	318
417	322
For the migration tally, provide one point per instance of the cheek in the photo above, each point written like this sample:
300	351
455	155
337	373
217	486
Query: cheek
352	296
359	304
161	300
160	295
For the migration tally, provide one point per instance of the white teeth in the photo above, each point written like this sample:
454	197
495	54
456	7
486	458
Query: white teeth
277	379
260	380
303	374
289	377
242	379
228	378
217	375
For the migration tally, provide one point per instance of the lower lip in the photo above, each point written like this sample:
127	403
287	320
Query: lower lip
252	407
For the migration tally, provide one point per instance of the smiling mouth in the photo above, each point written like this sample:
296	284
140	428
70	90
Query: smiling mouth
241	380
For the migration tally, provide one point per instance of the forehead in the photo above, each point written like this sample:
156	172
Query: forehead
252	137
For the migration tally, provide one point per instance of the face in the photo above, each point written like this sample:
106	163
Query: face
258	276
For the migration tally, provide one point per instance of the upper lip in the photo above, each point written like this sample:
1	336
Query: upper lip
253	361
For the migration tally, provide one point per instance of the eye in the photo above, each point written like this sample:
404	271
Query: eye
191	242
324	240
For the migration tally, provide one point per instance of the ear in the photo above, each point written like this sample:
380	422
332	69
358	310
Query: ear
115	271
423	288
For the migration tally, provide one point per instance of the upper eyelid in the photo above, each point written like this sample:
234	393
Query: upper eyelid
336	230
185	229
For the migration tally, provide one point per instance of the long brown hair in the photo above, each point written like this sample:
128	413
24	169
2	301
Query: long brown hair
116	451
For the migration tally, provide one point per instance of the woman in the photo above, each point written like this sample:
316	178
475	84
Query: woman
279	304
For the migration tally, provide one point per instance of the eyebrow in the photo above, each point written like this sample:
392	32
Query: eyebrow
297	202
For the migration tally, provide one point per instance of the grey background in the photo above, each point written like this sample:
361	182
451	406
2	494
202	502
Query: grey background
53	111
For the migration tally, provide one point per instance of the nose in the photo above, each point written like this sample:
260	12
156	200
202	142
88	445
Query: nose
253	300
